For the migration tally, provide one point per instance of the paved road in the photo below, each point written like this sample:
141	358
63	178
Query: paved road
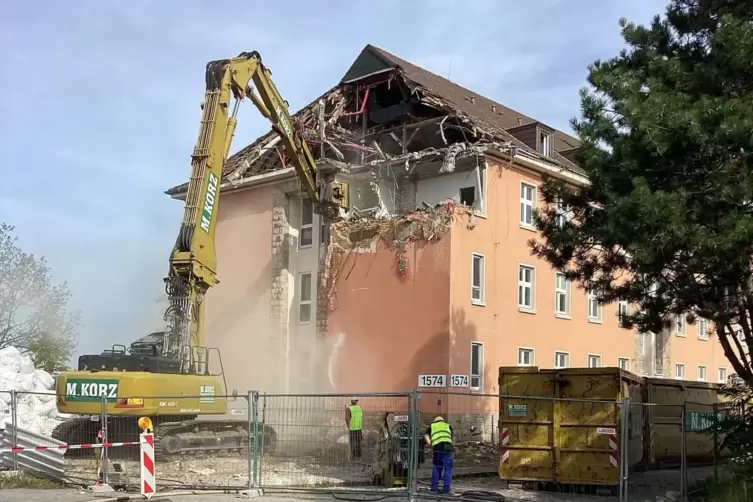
80	496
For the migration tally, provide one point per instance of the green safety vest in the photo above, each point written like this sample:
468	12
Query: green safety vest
356	417
440	433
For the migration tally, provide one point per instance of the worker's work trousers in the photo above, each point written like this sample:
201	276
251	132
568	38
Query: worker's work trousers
443	461
356	437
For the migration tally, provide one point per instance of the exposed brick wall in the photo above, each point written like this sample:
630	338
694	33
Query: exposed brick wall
406	199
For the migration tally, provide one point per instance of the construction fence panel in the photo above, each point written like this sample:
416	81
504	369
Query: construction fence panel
657	456
314	447
6	411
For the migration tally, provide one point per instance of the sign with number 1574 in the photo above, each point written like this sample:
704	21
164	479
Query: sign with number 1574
432	380
459	381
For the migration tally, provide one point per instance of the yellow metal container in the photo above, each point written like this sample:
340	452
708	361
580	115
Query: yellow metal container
563	426
664	438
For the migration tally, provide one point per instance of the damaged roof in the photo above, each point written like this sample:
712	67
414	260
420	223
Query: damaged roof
488	115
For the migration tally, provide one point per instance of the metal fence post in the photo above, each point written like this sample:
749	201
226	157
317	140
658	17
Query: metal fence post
257	440
105	454
715	409
14	418
250	412
413	420
624	448
684	453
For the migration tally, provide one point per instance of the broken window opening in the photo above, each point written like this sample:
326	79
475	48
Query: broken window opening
468	196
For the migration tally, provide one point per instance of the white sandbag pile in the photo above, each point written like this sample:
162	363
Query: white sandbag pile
36	409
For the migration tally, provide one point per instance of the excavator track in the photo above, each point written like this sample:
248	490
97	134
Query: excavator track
189	437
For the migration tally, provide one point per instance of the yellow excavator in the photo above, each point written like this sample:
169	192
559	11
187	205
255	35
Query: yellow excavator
166	375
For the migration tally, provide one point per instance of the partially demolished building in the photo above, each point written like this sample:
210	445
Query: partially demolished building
430	272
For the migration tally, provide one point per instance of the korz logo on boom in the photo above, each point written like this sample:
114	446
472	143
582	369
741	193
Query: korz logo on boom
209	203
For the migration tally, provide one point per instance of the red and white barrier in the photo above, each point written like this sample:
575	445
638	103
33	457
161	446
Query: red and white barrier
614	454
148	481
19	449
505	442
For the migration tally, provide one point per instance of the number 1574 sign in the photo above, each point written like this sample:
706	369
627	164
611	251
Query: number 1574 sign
432	380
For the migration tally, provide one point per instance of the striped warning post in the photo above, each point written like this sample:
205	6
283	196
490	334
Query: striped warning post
505	441
614	454
148	481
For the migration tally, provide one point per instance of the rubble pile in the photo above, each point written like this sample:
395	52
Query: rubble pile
35	398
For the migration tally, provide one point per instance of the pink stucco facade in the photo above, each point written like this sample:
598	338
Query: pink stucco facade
385	328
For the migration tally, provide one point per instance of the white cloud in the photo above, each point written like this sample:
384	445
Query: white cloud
100	106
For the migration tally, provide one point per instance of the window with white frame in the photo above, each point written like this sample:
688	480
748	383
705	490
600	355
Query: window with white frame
306	229
527	204
722	375
680	371
703	329
477	365
680	328
526	287
561	295
561	360
594	360
622	311
477	279
701	374
545	143
323	230
304	297
563	213
623	363
594	307
526	357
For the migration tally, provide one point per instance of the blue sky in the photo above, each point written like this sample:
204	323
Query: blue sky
100	108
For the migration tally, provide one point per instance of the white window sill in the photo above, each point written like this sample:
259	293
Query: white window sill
530	228
480	214
477	390
567	317
703	338
478	303
308	246
593	320
681	335
304	323
526	310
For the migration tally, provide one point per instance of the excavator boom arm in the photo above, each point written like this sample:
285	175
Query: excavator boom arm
193	263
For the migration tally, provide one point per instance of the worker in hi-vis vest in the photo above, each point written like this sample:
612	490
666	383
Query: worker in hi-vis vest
354	421
439	437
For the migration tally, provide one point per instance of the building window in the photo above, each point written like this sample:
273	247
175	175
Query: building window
703	329
701	373
622	312
306	230
680	371
477	365
623	363
526	285
680	325
323	230
594	307
526	357
594	361
304	298
722	375
468	196
563	213
477	279
561	295
561	360
545	143
527	204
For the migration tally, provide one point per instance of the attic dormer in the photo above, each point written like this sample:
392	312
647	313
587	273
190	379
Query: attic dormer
570	154
538	136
